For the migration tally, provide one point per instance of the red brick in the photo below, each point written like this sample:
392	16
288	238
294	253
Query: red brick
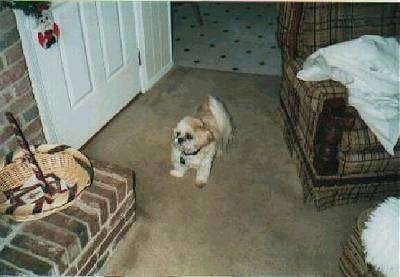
37	138
12	144
54	234
122	210
119	214
89	266
92	248
104	192
118	185
31	113
76	227
131	212
124	230
91	218
4	230
13	53
9	222
26	261
6	270
6	133
7	19
34	127
6	97
100	204
100	263
22	86
7	77
111	236
8	37
113	169
71	271
21	104
43	249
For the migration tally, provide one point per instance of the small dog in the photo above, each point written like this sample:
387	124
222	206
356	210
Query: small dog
196	140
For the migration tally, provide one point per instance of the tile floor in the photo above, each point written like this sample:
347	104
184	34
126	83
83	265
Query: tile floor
236	37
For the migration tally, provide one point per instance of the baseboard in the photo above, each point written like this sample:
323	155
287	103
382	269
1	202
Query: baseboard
151	82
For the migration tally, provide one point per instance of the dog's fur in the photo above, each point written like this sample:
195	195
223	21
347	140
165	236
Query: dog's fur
197	139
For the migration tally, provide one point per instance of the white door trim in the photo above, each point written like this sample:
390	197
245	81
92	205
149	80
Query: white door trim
137	9
150	82
145	81
34	73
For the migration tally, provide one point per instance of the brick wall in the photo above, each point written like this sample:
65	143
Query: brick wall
77	240
16	93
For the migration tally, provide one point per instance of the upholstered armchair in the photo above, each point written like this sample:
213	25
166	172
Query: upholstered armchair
339	159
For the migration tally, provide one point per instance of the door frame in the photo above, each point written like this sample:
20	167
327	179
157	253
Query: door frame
24	24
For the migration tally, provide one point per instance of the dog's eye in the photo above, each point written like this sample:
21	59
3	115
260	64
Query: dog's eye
178	134
188	136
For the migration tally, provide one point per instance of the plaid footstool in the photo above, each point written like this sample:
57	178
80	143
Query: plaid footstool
352	261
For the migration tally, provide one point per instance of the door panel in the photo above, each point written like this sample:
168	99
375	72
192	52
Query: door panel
74	59
92	72
111	40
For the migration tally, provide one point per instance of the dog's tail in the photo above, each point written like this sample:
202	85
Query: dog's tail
223	121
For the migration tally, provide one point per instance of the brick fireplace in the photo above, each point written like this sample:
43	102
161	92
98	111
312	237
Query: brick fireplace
77	240
16	93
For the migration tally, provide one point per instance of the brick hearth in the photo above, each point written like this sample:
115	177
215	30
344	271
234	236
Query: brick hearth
77	240
16	93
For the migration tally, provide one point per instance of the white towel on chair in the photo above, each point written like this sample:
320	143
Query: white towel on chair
369	68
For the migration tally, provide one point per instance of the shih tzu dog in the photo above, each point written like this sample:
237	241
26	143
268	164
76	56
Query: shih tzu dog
196	140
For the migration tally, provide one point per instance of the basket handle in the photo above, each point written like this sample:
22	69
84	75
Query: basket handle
25	146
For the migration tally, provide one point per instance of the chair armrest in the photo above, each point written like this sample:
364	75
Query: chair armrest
333	121
307	98
318	110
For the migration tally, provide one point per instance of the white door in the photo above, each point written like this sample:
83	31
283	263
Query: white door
90	74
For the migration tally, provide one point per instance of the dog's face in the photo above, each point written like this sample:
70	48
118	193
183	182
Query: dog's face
190	135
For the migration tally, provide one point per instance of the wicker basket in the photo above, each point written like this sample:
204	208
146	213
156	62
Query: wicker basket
352	261
60	161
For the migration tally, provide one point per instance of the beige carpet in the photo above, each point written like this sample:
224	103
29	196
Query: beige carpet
250	218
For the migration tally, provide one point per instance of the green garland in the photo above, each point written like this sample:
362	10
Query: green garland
30	8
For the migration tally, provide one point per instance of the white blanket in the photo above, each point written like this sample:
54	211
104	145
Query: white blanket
369	68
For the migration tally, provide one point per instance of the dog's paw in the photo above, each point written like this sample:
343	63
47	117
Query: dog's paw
200	185
176	173
201	182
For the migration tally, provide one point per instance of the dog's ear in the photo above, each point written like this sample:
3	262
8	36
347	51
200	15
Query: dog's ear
196	123
203	137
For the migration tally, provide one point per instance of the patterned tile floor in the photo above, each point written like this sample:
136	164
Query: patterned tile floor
236	37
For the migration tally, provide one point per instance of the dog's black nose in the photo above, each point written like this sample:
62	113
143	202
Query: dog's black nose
180	140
